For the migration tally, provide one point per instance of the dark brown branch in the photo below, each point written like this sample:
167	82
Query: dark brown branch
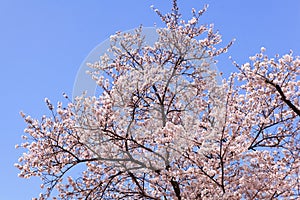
283	97
176	188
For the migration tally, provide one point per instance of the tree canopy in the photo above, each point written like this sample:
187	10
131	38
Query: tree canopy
164	127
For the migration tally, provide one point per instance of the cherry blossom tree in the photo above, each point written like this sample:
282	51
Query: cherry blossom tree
163	127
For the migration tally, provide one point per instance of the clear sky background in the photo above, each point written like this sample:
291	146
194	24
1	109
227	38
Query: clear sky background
43	42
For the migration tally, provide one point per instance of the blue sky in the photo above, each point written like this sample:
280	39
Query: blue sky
43	42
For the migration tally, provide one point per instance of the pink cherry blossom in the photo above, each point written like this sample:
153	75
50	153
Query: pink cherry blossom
164	128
